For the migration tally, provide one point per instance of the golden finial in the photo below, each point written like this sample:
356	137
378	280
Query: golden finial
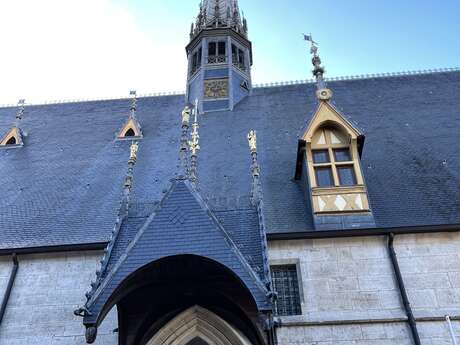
194	143
252	140
134	148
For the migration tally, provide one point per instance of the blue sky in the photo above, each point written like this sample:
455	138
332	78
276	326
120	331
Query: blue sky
103	48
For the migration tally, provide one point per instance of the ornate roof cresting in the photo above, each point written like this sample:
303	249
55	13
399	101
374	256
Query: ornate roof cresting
257	202
122	215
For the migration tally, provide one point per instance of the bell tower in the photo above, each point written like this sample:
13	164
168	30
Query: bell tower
219	57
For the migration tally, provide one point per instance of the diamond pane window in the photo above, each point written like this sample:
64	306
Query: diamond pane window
286	284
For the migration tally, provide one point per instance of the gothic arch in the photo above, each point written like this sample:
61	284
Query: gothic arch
197	322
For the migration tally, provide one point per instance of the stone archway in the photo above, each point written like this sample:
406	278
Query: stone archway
198	325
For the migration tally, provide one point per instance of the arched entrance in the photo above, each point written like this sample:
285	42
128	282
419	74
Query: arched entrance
198	326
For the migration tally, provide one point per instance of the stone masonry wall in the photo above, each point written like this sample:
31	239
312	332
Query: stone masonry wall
48	288
350	296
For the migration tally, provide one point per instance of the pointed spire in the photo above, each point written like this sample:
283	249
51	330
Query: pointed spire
322	93
133	93
20	113
184	144
221	13
255	167
194	145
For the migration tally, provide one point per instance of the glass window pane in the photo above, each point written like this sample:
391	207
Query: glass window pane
241	56
342	155
346	176
324	177
212	48
286	284
221	48
320	156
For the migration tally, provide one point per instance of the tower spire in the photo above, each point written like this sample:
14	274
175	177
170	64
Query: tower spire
322	93
218	14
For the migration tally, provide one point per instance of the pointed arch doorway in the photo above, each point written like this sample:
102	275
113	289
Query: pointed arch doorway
198	326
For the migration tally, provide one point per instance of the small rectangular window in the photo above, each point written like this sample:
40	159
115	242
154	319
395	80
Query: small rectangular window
234	53
324	177
320	156
200	53
342	155
222	50
346	175
212	49
286	285
241	57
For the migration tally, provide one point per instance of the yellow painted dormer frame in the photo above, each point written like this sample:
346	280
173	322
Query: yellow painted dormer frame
133	125
13	134
334	135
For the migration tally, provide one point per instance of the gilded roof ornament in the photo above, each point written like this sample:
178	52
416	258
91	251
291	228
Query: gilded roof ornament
194	144
134	149
252	141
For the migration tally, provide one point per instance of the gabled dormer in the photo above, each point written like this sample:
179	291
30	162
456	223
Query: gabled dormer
333	162
13	138
131	129
329	160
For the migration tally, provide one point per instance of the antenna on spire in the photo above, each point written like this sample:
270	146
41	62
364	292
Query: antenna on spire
323	93
133	93
194	144
20	113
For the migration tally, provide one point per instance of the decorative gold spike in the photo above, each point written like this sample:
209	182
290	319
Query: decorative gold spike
252	141
134	148
186	116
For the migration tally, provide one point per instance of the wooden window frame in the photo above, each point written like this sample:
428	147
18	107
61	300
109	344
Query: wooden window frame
333	164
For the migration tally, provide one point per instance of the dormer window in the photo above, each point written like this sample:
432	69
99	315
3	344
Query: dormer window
332	159
131	130
12	139
217	52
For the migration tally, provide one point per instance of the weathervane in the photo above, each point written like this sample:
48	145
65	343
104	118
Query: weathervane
323	93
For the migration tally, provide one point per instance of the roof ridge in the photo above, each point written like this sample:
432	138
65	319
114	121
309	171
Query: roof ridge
255	86
360	76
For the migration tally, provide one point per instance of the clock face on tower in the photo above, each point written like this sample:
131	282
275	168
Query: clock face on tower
216	88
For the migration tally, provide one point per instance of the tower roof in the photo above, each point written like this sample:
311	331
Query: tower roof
219	14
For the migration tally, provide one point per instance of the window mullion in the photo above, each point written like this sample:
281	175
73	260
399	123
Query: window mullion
334	168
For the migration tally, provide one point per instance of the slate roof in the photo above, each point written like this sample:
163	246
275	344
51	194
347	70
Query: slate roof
181	224
64	186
